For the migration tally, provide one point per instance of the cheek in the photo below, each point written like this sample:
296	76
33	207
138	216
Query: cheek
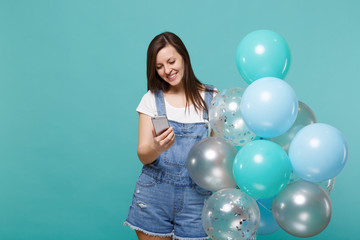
182	70
159	72
182	67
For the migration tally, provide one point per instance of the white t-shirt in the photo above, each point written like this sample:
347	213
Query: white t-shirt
148	106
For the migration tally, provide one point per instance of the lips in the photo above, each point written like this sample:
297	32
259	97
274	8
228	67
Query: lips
172	77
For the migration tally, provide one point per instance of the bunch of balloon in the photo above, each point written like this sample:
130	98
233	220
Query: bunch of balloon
269	152
297	163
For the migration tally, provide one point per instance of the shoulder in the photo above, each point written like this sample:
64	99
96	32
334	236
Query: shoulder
147	104
149	96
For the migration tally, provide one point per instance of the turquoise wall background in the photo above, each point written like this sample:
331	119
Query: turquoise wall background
73	72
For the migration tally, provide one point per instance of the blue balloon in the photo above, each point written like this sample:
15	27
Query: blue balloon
318	152
262	53
267	224
269	107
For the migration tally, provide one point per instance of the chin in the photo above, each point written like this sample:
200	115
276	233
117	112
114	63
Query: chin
174	83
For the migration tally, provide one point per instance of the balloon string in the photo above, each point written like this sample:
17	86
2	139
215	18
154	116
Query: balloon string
263	206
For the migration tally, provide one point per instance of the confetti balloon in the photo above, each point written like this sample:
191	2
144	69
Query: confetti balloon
226	119
327	185
230	214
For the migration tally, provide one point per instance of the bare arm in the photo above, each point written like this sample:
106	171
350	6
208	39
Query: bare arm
149	145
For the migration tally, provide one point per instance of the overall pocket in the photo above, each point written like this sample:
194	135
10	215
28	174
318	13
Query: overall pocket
145	180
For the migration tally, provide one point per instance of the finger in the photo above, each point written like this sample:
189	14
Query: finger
153	131
165	134
169	138
169	144
172	141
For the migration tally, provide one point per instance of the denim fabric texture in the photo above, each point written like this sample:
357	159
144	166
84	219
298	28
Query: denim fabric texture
166	202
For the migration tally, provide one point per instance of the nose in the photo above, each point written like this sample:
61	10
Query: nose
167	69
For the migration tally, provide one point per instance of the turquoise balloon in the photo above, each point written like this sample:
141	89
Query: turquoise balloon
261	169
262	53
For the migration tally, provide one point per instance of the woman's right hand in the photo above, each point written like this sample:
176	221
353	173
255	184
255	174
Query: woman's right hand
164	141
151	146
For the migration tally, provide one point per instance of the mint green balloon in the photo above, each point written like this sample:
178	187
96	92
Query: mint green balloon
261	169
262	53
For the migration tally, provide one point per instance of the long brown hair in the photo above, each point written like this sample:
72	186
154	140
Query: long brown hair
192	85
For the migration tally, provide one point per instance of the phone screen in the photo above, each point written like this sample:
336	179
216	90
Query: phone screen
160	124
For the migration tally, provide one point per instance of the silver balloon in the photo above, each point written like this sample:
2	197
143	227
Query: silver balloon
327	185
305	117
226	119
210	163
230	214
302	209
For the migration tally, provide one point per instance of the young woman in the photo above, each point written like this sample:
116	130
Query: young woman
166	202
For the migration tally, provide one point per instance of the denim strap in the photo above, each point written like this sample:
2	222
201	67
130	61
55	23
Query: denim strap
160	103
208	99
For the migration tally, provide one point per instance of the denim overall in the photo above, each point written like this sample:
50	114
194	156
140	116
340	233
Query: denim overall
166	201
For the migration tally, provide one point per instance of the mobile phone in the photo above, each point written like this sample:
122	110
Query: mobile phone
160	124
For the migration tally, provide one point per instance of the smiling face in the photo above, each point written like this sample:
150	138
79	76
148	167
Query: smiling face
170	65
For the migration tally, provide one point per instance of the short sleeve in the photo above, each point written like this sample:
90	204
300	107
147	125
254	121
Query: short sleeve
147	105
